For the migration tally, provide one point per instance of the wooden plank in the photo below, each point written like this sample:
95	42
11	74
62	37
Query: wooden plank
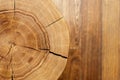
84	18
111	31
91	39
71	12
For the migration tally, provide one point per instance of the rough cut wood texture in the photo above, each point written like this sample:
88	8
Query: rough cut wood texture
94	39
34	40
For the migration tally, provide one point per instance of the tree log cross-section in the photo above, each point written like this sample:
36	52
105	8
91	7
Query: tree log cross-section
34	40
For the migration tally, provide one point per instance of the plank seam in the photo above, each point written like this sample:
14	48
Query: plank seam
101	13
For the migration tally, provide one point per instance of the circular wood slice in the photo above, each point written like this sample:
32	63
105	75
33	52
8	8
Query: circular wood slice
34	40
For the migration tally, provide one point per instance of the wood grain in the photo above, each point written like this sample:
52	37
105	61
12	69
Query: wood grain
94	39
34	40
45	11
111	40
58	44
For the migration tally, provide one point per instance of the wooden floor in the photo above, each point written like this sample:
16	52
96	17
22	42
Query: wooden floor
95	39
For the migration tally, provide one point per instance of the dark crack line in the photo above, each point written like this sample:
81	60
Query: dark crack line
14	8
10	63
41	49
14	44
30	47
54	22
12	76
34	48
11	54
9	50
45	50
58	55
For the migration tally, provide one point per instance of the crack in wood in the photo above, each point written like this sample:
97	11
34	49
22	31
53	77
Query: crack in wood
34	48
11	59
9	50
14	8
58	55
54	22
12	75
46	50
14	44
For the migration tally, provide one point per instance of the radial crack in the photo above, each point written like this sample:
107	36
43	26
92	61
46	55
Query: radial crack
34	48
58	55
31	48
14	44
12	75
42	49
10	63
54	22
9	50
14	7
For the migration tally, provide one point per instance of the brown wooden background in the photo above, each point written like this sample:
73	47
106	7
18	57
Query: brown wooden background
94	32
